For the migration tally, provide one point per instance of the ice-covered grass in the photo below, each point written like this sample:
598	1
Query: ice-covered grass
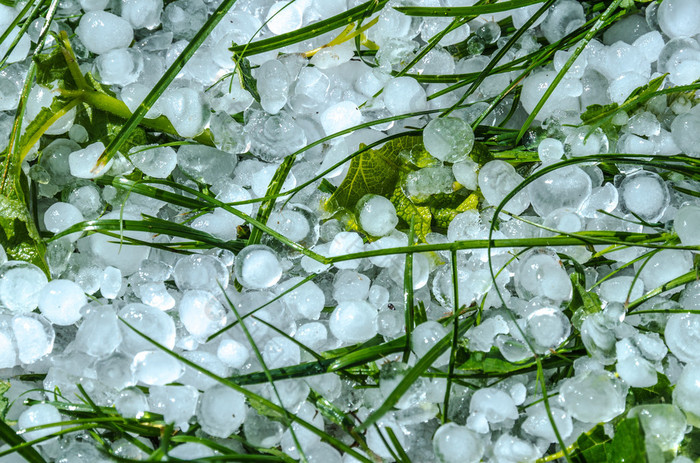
329	230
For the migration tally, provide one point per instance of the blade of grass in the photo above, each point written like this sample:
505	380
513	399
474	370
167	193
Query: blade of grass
34	6
408	292
455	336
164	82
11	438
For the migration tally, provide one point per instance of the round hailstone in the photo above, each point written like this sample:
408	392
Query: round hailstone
594	397
340	116
38	415
547	328
679	18
200	271
377	215
404	95
20	285
682	334
232	353
201	313
60	216
687	223
101	31
257	267
496	180
645	194
465	173
686	392
448	139
60	301
150	321
156	368
550	150
354	321
221	411
425	336
663	424
457	444
566	187
306	301
34	336
284	17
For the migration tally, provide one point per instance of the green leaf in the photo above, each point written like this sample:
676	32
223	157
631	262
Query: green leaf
628	444
247	80
591	446
481	154
444	215
407	210
658	393
491	363
18	235
372	172
52	67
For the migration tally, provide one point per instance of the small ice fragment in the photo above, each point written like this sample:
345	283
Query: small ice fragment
495	404
198	271
150	321
687	223
663	424
496	180
154	161
98	334
566	187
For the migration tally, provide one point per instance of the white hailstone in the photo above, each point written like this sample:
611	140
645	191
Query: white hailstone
221	411
340	116
83	163
20	286
61	300
232	353
101	32
377	215
38	415
60	216
354	321
593	397
448	139
257	267
457	444
404	95
201	313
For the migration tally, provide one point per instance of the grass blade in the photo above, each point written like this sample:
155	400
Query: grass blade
10	437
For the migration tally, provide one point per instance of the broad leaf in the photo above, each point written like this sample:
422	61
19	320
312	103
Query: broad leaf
628	444
407	209
372	172
491	363
18	235
4	401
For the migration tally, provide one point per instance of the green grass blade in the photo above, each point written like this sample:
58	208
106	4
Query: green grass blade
164	82
466	10
408	293
273	190
11	438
